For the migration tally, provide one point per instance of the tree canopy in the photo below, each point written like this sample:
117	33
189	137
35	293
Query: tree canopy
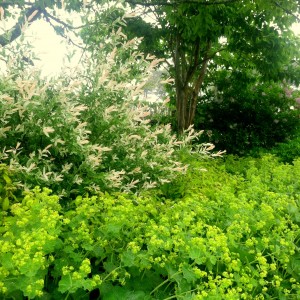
196	33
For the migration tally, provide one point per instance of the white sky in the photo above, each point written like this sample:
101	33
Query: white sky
296	28
51	49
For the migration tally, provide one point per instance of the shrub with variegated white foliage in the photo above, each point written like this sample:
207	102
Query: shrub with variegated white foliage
88	131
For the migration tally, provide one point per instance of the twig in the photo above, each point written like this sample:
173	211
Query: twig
64	36
289	12
70	27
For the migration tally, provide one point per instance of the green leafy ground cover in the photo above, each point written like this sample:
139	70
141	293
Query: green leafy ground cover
230	232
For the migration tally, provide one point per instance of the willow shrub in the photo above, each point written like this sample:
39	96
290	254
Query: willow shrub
232	234
88	131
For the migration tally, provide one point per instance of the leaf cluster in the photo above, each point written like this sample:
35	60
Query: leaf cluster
288	151
7	187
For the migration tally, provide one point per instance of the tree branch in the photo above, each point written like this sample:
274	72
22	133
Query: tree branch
33	13
62	34
194	61
289	12
59	21
211	56
197	86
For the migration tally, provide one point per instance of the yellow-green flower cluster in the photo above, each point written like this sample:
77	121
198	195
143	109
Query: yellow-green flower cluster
29	236
237	242
73	279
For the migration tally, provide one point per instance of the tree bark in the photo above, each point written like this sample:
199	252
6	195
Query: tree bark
189	77
197	87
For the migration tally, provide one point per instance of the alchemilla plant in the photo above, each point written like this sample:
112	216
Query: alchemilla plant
232	236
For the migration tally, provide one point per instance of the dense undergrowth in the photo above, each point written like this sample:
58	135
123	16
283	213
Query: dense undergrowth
230	232
241	112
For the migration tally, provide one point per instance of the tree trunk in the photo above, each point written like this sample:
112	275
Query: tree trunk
189	77
196	92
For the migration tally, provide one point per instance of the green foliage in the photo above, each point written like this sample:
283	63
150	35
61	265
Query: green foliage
289	150
240	113
189	33
232	233
7	188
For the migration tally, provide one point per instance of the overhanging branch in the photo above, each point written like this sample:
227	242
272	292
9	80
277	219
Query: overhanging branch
176	2
33	13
